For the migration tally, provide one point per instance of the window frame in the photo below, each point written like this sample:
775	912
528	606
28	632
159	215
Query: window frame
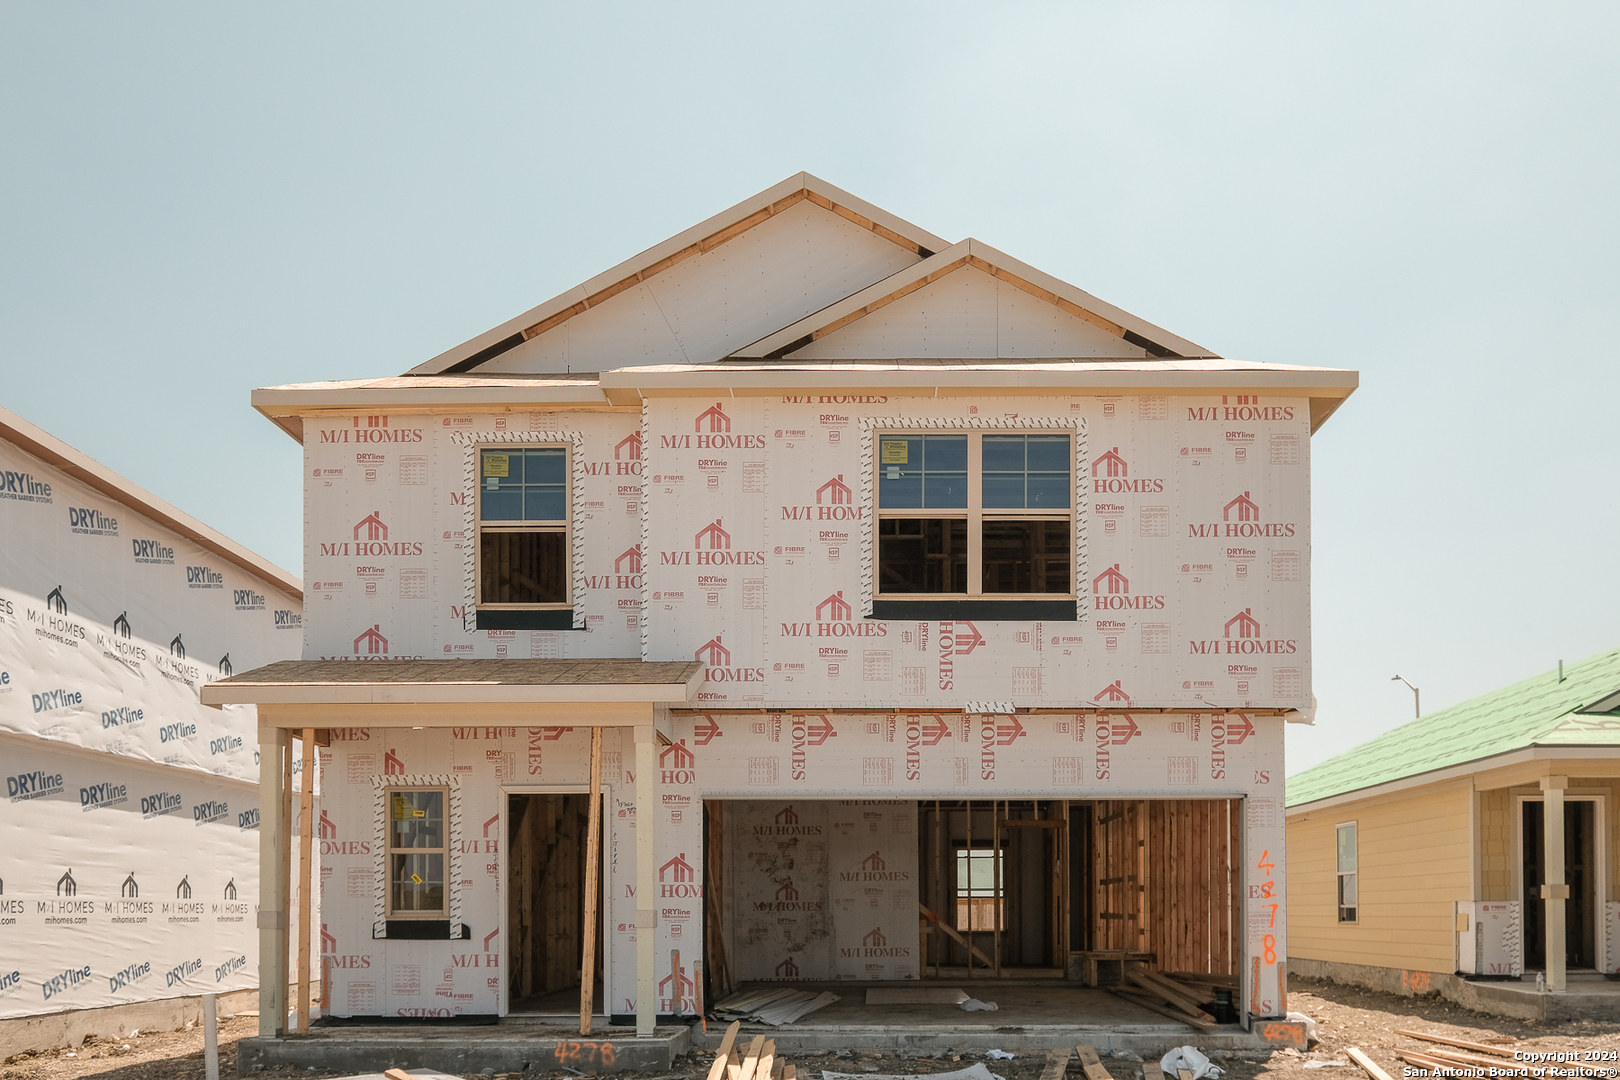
389	850
565	526
975	514
1354	873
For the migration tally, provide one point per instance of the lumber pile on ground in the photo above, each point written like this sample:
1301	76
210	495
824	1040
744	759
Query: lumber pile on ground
1442	1052
757	1062
778	1006
1179	1000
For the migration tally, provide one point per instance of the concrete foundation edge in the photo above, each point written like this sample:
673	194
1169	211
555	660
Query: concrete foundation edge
440	1049
52	1030
1155	1040
1497	999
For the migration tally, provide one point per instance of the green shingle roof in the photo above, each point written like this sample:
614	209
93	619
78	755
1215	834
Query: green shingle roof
1540	711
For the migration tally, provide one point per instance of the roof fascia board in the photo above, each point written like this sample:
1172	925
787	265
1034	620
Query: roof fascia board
391	693
287	407
86	470
704	236
428	715
1521	756
986	259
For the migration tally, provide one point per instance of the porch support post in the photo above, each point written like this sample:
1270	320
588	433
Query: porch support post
646	881
1555	893
306	873
273	840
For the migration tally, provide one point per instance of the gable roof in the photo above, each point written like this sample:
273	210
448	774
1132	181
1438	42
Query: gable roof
41	444
1542	711
700	239
1144	338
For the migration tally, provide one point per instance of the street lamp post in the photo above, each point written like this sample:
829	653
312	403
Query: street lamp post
1417	710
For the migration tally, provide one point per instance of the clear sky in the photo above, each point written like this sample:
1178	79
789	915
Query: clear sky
201	199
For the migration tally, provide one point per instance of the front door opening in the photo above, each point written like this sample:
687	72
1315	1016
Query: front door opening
1580	872
546	902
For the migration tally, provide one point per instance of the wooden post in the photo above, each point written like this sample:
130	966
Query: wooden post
306	811
675	997
288	925
272	920
593	844
1555	889
646	881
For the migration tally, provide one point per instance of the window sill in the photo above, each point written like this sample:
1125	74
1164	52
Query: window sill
425	930
974	608
519	619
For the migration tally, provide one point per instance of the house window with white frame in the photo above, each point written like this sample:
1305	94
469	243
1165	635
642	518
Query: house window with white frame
418	852
523	527
1347	872
975	515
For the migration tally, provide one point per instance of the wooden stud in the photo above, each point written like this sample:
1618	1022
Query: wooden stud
288	953
593	844
306	813
1057	1063
724	1053
750	1061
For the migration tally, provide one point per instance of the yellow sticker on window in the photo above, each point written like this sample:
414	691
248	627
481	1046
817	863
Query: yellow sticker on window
418	813
497	464
416	879
895	451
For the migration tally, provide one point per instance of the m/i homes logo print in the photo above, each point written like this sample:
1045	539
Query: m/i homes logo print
677	879
1111	591
1111	475
835	501
369	538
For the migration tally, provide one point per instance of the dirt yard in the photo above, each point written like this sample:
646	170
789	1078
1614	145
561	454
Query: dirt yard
1345	1017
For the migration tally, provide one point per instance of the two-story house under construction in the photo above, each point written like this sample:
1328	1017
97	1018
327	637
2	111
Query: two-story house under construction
906	609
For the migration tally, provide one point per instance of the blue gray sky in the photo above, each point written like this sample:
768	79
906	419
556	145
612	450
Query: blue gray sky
199	199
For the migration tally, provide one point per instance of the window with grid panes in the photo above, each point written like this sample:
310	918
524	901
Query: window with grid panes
523	527
418	853
975	514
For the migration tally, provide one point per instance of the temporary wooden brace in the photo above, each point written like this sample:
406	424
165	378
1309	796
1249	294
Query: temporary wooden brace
1057	1063
1090	1064
675	981
951	932
1367	1064
995	863
593	844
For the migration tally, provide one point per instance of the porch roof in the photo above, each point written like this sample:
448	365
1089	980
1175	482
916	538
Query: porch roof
403	682
1579	709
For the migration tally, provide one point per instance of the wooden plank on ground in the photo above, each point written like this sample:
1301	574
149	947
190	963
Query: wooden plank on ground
397	1074
1478	1048
1057	1063
1169	990
1467	1060
1090	1064
767	1061
750	1061
719	1067
1367	1064
1152	1071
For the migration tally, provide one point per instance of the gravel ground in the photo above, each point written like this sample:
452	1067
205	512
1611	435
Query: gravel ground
1345	1016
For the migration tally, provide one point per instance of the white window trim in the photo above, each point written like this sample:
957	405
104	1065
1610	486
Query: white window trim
470	442
379	847
1338	918
872	427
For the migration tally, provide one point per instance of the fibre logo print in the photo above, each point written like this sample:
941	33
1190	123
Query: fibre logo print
1111	591
835	501
1241	636
834	619
717	664
369	539
711	546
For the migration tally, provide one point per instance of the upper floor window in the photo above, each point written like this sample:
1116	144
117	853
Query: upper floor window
523	527
975	515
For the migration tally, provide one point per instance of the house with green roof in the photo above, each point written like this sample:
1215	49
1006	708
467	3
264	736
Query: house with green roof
1463	843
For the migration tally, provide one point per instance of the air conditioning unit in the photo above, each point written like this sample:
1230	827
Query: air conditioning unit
1490	938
